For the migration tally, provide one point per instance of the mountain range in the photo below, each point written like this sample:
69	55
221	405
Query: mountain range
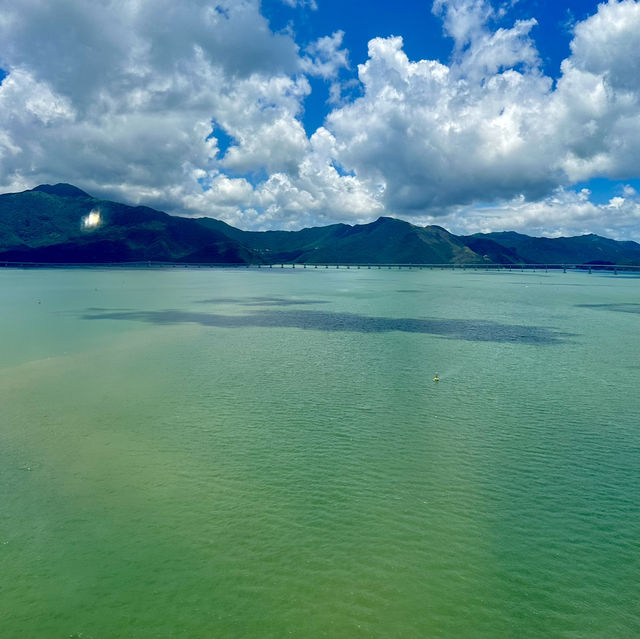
63	224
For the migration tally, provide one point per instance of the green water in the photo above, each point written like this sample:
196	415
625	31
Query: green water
242	453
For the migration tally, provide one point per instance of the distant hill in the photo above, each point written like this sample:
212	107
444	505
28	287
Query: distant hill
582	249
61	223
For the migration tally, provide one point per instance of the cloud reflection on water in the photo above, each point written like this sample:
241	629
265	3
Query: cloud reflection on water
462	329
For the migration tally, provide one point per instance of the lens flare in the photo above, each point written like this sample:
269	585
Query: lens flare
92	220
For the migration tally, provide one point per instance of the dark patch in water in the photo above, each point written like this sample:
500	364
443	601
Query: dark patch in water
260	301
623	307
408	290
470	330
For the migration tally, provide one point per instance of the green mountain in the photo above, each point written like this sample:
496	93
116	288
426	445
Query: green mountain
385	241
50	224
62	224
582	249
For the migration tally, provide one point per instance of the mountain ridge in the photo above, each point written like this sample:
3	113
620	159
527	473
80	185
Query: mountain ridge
61	223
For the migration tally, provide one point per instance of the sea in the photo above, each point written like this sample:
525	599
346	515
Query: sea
264	453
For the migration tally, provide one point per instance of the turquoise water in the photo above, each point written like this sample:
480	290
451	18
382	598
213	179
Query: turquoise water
244	453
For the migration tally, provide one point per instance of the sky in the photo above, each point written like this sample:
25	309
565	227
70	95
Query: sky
476	115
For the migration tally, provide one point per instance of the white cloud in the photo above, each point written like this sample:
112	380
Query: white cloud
607	44
434	139
505	49
121	100
261	114
301	3
317	194
325	58
463	20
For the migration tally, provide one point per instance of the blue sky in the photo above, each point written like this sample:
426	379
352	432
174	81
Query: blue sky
476	115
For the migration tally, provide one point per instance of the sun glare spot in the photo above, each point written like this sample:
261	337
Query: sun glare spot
92	220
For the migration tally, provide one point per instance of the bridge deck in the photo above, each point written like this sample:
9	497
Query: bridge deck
337	265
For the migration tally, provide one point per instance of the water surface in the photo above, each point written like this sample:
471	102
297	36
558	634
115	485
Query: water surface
244	453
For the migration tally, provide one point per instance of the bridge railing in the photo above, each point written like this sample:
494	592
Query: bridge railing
615	268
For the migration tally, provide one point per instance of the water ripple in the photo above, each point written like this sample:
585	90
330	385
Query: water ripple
627	307
261	301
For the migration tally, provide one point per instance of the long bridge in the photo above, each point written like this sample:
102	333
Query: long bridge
589	268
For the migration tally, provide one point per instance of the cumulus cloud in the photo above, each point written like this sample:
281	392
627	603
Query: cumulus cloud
122	99
607	44
261	114
432	138
129	101
317	194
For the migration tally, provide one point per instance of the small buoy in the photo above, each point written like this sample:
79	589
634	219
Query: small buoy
436	378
